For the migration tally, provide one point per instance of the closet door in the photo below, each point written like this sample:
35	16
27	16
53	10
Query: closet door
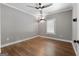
78	29
75	28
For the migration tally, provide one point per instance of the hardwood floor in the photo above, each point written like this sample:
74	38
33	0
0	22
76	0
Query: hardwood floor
40	47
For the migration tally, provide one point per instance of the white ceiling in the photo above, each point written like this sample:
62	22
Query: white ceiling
56	7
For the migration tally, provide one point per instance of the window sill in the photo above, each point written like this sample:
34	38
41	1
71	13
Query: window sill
51	33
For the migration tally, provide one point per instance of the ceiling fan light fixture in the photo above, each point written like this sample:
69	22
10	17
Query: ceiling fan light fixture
40	9
42	21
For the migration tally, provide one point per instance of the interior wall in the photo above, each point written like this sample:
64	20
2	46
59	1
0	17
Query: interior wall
16	25
0	28
63	26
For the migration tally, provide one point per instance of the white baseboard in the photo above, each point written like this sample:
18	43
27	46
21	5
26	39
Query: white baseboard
32	38
18	41
56	39
75	49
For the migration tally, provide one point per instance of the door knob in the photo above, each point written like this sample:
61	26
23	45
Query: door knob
75	20
75	41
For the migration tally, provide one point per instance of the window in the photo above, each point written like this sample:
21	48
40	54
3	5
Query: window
51	26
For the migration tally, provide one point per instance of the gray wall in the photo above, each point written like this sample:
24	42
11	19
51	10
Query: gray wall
16	25
63	25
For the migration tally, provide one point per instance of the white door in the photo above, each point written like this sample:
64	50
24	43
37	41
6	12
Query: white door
78	28
75	28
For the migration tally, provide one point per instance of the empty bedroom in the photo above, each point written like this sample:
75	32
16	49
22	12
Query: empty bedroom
39	29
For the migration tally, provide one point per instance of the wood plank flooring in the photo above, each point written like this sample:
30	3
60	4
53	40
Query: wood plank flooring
40	46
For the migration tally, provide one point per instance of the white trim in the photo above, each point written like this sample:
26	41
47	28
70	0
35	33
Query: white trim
33	14
18	41
76	52
56	39
74	48
21	10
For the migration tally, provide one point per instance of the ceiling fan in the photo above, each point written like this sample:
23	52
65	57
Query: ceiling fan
40	6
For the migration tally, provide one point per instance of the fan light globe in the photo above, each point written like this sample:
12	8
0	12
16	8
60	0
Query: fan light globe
42	21
40	9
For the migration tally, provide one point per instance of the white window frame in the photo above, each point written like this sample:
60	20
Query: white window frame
54	32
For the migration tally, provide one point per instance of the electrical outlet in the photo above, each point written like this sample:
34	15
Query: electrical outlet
8	39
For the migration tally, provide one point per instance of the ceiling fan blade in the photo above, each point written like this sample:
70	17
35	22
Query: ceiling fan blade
37	7
32	7
45	6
